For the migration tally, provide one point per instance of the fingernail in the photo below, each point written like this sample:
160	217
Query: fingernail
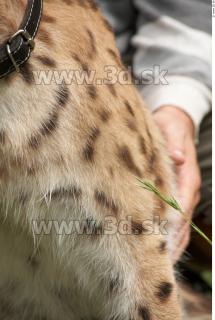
178	155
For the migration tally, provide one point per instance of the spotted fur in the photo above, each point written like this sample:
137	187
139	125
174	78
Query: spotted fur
70	155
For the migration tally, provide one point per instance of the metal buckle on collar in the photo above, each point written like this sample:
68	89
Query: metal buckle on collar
27	40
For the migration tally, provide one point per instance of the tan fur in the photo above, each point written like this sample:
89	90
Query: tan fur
81	164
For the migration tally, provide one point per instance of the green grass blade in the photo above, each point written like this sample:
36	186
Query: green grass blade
202	234
172	202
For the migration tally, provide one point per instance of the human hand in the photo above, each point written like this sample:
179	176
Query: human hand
178	130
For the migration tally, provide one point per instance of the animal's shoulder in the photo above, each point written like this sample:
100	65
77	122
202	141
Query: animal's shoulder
74	107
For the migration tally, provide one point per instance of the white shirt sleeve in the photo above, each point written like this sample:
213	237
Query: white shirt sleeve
185	93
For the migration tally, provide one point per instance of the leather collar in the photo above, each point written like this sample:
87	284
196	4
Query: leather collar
17	50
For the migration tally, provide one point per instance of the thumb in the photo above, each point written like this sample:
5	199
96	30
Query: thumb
175	146
178	156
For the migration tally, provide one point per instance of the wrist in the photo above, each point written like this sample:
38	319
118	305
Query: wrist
174	113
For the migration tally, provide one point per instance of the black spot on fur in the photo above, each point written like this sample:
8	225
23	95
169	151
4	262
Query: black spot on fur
162	246
92	48
91	227
144	313
49	62
85	67
27	73
114	285
90	145
131	125
83	64
47	128
50	125
142	145
95	132
76	57
2	137
45	37
149	134
92	91
105	202
34	142
112	89
92	5
62	95
115	57
152	161
113	53
137	228
159	182
164	291
89	152
129	108
105	115
48	19
71	192
126	158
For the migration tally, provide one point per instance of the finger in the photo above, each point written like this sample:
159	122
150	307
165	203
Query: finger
183	233
177	155
176	147
186	189
189	191
175	139
189	182
187	202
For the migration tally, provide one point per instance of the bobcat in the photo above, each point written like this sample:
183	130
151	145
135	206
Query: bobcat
70	155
